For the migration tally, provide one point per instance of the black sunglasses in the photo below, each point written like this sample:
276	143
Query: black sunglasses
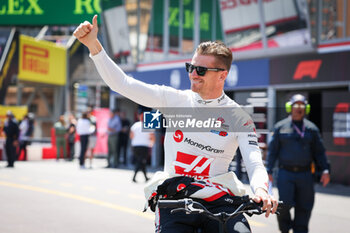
200	69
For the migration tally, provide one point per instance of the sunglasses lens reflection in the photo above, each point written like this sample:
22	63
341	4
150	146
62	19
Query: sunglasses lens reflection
199	69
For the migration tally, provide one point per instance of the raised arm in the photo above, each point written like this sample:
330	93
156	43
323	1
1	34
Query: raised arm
145	94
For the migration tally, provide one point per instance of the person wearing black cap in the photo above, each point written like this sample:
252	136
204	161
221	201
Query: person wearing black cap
12	132
296	144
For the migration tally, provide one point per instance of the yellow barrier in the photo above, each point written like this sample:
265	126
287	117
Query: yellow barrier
18	111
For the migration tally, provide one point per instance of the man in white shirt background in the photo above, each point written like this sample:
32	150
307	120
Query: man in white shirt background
142	141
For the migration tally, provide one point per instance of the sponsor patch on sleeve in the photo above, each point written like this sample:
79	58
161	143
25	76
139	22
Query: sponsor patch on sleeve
255	143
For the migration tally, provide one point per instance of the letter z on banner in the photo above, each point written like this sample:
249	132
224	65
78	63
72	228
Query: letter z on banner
192	165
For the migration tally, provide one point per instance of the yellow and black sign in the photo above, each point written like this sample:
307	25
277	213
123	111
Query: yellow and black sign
42	61
18	111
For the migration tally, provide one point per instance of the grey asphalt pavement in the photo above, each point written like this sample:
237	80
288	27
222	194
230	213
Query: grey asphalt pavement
58	197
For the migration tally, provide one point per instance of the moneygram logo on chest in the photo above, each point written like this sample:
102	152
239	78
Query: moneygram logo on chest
179	137
203	147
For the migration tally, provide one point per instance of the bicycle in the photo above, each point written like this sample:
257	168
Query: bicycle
189	206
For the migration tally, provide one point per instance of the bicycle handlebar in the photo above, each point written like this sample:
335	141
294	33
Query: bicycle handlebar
181	203
247	206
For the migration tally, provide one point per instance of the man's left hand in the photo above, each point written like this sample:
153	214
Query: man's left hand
269	202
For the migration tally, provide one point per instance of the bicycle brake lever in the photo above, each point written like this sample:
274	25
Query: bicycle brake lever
186	210
180	210
254	212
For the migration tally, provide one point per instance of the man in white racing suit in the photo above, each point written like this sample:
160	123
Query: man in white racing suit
198	161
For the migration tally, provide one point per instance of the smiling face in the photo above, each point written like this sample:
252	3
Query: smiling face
209	86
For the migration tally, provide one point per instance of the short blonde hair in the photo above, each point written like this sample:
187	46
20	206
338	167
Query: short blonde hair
219	50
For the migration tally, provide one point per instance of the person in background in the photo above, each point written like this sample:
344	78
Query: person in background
23	137
114	127
295	144
71	130
12	133
238	164
92	138
83	130
141	141
30	131
123	137
60	134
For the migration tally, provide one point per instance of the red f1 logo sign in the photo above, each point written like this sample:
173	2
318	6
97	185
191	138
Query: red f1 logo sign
307	68
192	165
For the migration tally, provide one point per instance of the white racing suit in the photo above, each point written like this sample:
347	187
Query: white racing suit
204	155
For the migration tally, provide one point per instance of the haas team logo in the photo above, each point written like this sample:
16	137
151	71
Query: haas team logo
192	165
178	136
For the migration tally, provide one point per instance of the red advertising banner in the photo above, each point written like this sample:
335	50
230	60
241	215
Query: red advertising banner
336	133
102	117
